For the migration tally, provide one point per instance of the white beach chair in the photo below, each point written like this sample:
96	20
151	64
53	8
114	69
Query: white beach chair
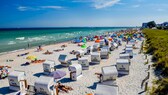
80	53
96	47
104	53
84	61
106	90
63	59
109	75
130	51
48	66
124	56
44	85
95	58
75	71
123	66
17	80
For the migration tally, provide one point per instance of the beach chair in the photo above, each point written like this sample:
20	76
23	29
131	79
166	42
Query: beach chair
109	75
113	46
106	90
75	71
102	43
125	56
104	53
123	66
63	59
48	66
89	49
95	47
84	61
44	85
95	58
129	46
80	53
130	51
17	80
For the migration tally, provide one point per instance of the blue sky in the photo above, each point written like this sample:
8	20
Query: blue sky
71	13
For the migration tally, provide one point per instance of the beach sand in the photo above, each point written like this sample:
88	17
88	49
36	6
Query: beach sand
128	84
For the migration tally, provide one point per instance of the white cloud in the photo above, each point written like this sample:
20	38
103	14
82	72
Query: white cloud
22	8
51	7
25	8
160	10
99	4
136	6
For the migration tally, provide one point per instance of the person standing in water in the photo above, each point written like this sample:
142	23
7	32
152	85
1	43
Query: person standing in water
28	45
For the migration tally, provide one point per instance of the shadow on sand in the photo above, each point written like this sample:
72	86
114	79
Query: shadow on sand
59	66
5	90
38	74
121	75
66	80
93	86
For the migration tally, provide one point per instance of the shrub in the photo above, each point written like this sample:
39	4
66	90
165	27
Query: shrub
157	41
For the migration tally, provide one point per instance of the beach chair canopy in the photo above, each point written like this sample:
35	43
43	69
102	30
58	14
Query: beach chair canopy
18	75
49	62
109	71
125	55
81	52
106	90
76	67
63	58
96	45
129	46
114	44
128	49
43	84
122	61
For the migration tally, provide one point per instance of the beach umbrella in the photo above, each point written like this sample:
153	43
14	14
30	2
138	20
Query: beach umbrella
97	41
32	57
84	40
96	36
83	46
58	74
110	39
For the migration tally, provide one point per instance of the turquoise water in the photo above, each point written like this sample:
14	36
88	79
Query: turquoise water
15	39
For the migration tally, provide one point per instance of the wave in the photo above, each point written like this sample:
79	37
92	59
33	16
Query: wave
11	43
20	38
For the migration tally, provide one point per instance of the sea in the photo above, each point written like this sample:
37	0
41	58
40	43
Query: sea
14	39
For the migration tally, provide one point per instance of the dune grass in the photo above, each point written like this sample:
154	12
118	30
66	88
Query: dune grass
157	45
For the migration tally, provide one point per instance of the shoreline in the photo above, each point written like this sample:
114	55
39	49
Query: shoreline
24	49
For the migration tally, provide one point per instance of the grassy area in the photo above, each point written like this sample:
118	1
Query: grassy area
157	45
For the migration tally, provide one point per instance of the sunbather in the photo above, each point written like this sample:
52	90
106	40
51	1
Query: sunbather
47	52
39	48
63	87
23	54
63	46
58	50
73	52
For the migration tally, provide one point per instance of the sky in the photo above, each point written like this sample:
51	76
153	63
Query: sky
81	13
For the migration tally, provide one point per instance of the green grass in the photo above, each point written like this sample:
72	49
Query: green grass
157	45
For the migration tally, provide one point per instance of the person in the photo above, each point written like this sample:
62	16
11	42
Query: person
63	87
28	45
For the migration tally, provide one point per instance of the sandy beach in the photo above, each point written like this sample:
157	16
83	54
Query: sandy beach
128	84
